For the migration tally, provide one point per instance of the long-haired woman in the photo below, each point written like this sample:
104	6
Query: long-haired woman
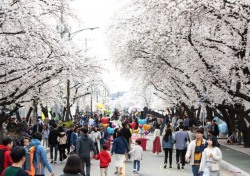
167	145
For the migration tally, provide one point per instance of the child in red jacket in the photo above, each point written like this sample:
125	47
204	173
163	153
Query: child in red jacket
105	159
5	150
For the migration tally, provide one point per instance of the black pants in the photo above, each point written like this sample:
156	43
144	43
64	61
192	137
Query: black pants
68	146
62	154
85	160
170	152
96	147
180	156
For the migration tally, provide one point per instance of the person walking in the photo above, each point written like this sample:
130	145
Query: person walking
214	130
167	145
73	166
210	157
40	160
37	127
62	140
84	145
73	138
137	155
5	158
181	138
45	134
156	142
18	157
194	152
96	136
53	143
68	134
105	159
119	148
127	135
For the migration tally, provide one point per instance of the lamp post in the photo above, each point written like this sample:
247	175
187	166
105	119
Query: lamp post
70	37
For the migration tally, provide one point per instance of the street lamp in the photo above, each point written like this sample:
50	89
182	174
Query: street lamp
61	30
71	35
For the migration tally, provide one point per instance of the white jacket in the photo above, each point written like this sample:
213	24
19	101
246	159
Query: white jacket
217	156
137	152
191	149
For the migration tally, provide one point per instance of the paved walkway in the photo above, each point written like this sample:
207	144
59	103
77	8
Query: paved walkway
151	165
237	156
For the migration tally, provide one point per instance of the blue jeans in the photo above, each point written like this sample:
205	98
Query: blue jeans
195	170
137	162
52	146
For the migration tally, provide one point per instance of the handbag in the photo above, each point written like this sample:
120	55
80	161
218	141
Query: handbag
215	166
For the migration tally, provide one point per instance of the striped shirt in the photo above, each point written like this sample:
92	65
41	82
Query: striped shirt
197	156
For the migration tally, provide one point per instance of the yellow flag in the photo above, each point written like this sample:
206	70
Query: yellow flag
43	116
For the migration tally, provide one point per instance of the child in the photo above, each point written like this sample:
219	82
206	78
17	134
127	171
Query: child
137	153
105	159
141	132
26	142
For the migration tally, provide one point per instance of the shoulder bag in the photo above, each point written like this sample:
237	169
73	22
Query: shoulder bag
215	166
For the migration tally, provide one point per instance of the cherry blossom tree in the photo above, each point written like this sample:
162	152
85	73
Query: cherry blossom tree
36	56
186	48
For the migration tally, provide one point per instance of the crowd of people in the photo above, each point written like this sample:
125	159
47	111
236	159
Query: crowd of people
87	137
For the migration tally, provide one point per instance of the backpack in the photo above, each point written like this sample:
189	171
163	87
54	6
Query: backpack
1	160
29	164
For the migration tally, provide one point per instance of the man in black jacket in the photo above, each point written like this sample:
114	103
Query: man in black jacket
68	133
37	127
214	130
53	144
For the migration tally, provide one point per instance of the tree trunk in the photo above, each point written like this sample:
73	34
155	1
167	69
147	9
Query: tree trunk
28	114
227	118
231	122
64	112
209	113
199	113
70	115
178	110
246	137
68	105
18	116
34	110
193	111
44	110
189	112
77	111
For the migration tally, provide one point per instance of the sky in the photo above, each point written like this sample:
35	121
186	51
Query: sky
98	13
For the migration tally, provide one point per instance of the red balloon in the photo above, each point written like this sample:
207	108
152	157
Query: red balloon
105	120
140	126
133	124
